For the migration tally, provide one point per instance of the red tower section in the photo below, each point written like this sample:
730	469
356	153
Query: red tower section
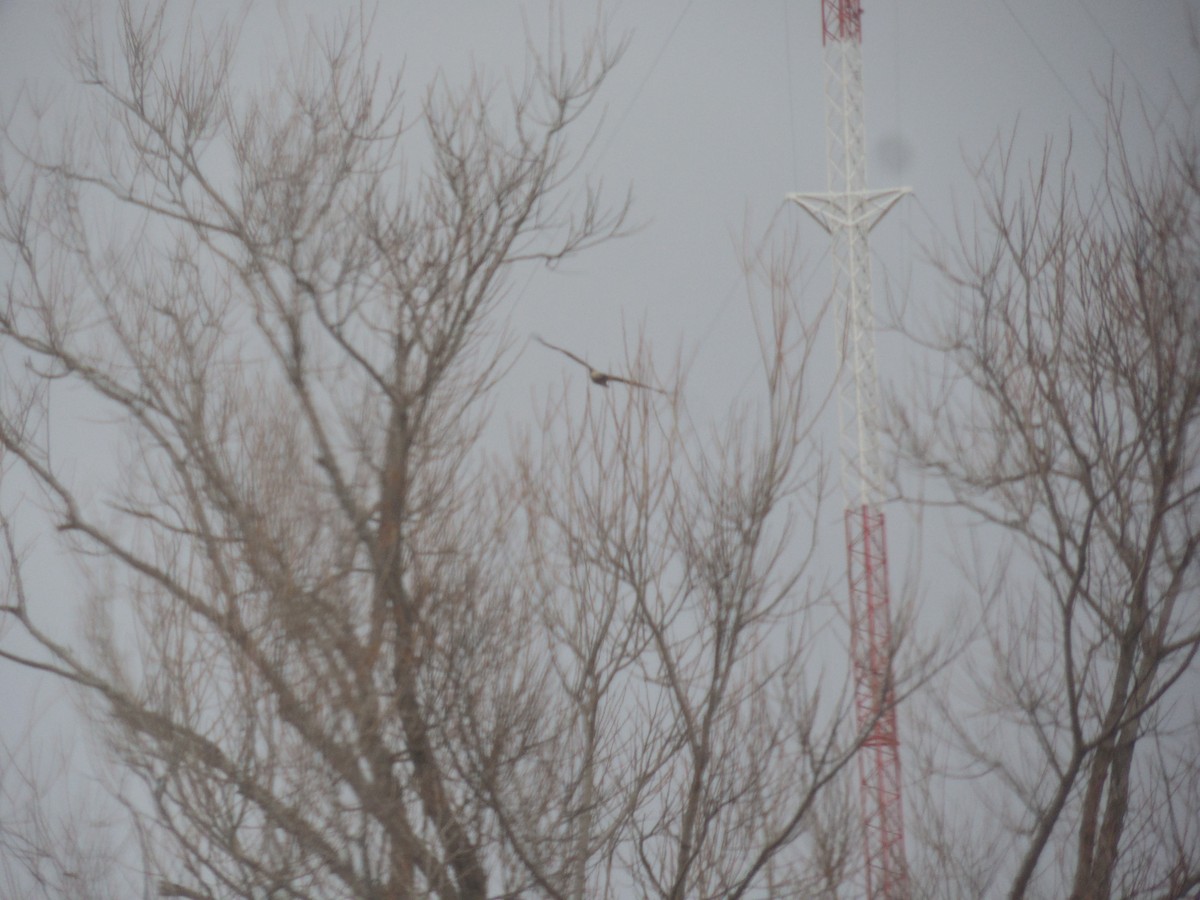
841	20
875	703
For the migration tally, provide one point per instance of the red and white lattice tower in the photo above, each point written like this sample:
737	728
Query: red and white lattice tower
848	211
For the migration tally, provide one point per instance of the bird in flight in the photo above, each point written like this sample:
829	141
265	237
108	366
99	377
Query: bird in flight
598	377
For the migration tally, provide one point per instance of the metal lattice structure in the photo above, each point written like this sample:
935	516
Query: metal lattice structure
848	211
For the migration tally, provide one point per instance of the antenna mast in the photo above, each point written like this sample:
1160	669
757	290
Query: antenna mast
848	212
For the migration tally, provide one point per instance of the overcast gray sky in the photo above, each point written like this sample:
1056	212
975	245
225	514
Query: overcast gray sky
715	113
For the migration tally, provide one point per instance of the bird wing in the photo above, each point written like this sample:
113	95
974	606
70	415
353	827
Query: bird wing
583	362
587	365
636	384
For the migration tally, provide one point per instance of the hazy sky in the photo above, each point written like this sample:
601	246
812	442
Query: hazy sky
717	111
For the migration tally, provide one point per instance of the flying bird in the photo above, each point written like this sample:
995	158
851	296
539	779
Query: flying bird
598	377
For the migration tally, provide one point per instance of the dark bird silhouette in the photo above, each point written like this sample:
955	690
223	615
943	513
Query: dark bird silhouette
598	377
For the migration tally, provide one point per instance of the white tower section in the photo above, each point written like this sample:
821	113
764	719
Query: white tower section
848	211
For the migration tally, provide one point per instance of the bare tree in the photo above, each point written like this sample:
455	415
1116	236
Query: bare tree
1069	422
679	587
295	344
345	649
57	834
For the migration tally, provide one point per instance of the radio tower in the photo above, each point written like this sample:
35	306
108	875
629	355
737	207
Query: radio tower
848	211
